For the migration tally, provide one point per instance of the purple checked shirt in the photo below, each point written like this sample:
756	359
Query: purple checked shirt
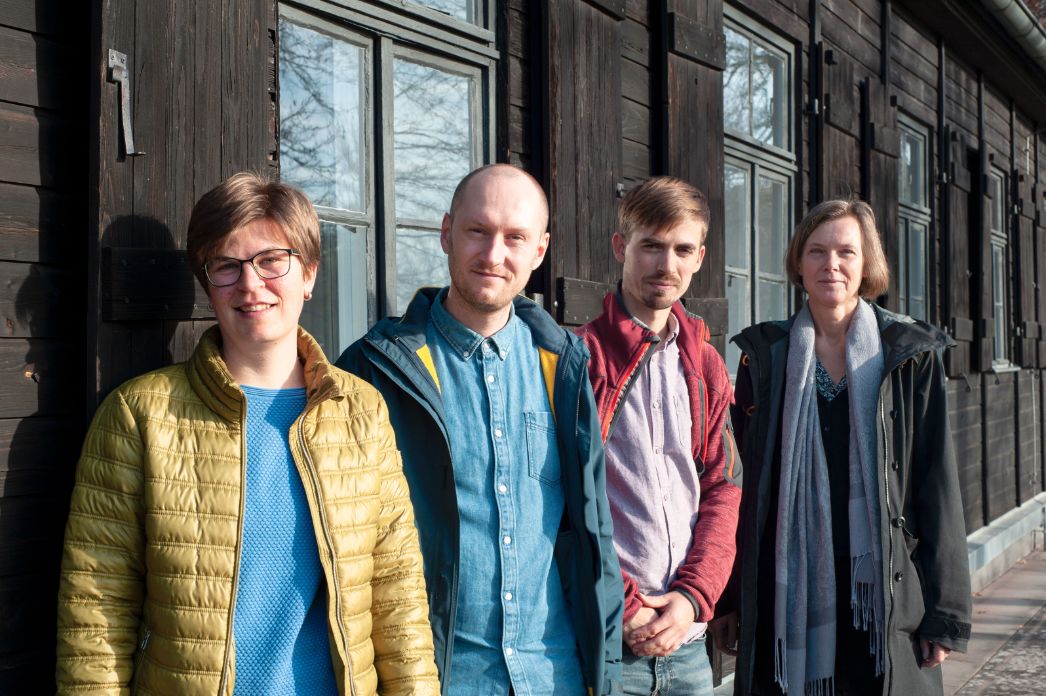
652	481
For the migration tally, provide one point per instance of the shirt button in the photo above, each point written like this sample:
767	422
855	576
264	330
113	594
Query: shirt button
502	488
497	432
508	651
490	379
508	596
507	540
656	405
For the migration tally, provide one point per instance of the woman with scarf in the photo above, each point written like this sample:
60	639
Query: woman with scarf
851	575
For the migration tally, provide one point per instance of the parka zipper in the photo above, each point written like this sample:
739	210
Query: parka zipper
139	659
239	549
886	489
330	550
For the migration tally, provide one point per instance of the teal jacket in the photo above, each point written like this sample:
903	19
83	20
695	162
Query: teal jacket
394	357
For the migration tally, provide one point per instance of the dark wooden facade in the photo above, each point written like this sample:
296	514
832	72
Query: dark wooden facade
592	96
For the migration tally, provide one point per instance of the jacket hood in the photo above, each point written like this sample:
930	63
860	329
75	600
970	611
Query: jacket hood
214	384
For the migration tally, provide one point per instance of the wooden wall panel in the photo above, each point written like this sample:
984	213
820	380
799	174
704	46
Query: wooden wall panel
44	155
1000	470
1029	470
964	400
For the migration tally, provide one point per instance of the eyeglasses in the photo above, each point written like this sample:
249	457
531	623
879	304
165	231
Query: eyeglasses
271	263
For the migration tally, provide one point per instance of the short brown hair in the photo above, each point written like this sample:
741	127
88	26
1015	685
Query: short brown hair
242	199
875	275
662	202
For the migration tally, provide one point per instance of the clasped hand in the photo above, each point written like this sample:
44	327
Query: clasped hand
660	625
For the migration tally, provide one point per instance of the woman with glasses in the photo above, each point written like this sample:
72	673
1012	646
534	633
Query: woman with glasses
240	523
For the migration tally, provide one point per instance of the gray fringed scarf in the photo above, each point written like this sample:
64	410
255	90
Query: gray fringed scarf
804	594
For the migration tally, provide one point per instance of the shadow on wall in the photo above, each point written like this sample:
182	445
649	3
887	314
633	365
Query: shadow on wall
145	289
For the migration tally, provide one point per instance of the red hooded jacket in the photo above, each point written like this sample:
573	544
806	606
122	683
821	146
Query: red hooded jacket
620	348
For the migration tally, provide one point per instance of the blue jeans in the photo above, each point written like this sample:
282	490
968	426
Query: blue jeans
686	672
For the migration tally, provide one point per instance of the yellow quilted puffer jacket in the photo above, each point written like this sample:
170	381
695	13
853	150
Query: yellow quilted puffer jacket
153	541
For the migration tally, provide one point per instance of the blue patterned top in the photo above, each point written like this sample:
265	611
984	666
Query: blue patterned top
825	386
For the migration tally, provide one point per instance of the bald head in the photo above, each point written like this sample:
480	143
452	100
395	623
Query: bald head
491	171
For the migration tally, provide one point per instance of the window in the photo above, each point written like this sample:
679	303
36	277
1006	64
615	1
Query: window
759	175
377	126
997	198
913	218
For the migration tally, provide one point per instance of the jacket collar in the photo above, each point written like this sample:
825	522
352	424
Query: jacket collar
902	336
410	328
214	384
621	334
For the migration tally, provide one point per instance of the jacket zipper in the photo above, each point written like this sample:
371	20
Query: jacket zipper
330	550
626	388
239	549
886	488
140	659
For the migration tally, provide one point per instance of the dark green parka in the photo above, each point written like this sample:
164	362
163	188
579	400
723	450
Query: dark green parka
925	569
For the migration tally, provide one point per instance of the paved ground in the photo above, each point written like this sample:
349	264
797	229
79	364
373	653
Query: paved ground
1007	652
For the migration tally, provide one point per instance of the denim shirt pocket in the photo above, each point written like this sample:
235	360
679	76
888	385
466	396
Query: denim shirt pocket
542	454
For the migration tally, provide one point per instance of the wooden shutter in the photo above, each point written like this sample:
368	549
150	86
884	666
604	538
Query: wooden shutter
1024	267
956	247
839	126
880	148
582	140
692	145
985	328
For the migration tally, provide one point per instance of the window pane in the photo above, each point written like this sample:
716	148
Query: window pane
736	83
772	224
420	262
432	138
769	97
912	185
737	203
337	314
737	315
995	184
917	267
321	116
460	9
772	301
999	299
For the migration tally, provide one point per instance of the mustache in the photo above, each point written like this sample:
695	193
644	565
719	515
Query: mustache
663	278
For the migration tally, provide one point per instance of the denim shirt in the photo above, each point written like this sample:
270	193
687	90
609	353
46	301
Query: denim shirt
512	626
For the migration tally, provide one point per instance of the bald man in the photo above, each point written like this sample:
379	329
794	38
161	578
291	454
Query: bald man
494	416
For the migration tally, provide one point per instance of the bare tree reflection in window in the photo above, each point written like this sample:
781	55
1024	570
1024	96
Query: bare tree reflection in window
735	83
432	138
460	9
321	116
420	262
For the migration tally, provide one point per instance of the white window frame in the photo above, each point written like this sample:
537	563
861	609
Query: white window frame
912	214
759	159
997	219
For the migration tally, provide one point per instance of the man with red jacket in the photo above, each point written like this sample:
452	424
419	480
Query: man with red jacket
673	478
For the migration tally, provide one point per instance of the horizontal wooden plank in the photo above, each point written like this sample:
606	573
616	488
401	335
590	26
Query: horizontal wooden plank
150	284
36	146
635	81
637	161
961	329
703	44
714	311
635	121
635	42
34	224
33	300
38	17
614	8
579	301
35	70
35	376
